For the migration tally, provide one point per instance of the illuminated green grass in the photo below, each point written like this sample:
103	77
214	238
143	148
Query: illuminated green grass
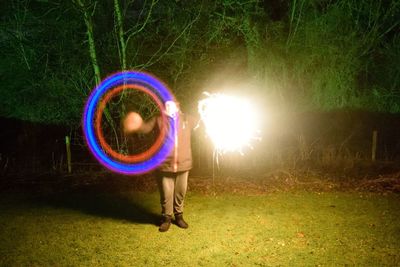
287	229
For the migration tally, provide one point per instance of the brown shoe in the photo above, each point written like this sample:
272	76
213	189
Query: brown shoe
165	223
180	222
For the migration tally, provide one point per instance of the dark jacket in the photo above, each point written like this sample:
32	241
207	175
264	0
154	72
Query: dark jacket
180	158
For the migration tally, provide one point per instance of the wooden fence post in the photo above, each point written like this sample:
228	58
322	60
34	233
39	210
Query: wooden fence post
374	144
68	146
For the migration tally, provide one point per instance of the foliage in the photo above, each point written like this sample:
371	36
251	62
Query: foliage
323	58
43	78
300	54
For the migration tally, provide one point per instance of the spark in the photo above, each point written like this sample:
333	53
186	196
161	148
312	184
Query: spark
231	122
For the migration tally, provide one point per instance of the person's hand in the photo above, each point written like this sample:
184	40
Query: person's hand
132	122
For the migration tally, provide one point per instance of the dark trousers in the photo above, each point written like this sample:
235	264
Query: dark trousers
172	187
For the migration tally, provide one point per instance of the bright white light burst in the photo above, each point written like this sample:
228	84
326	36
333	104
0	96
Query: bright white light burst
231	122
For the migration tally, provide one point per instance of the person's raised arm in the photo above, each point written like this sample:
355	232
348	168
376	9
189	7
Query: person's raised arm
133	123
148	125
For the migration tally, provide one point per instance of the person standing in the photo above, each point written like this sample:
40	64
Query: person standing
172	174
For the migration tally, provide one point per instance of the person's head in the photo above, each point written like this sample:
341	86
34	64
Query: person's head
172	108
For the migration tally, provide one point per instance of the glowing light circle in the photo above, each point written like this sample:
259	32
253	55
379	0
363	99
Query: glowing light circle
134	158
130	79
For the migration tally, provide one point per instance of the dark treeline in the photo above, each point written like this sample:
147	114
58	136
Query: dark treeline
298	54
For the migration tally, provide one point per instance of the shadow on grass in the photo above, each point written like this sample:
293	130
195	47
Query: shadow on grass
109	205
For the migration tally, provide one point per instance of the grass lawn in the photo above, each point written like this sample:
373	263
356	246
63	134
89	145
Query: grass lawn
287	229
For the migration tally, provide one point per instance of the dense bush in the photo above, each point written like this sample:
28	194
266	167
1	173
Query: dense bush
300	54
